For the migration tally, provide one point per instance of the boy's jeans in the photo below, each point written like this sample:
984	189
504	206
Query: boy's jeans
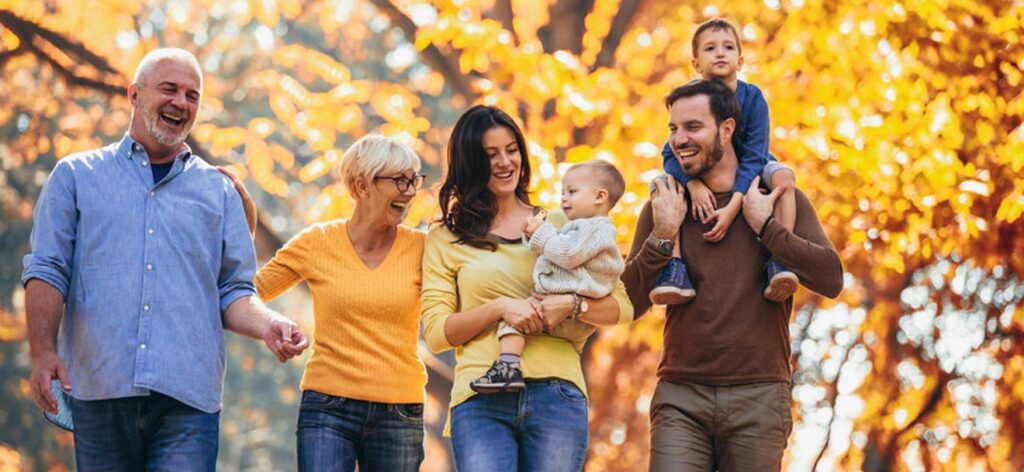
153	433
335	432
542	428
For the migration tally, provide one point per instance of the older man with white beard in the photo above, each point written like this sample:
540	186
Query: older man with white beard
141	257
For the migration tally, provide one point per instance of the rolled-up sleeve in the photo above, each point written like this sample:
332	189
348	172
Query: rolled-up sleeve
54	226
238	257
440	292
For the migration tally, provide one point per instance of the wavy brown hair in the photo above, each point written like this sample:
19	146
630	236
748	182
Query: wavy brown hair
468	207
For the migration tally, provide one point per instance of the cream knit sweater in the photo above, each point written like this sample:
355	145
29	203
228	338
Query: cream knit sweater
581	258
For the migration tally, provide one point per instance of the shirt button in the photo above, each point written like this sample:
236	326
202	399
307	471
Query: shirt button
149	266
152	193
150	231
145	307
142	346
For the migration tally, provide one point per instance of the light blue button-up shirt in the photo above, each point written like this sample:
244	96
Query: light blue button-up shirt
145	269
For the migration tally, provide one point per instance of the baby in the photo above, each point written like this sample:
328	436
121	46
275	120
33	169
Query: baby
581	258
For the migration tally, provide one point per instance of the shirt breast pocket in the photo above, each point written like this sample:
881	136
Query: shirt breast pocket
196	229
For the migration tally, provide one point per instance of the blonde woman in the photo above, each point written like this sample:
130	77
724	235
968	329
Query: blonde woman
362	390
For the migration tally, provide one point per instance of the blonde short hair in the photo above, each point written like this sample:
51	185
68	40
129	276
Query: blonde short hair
375	155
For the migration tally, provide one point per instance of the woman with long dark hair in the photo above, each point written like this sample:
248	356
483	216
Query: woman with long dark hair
476	272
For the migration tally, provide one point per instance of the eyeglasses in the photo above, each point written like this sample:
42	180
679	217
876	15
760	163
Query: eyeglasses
402	182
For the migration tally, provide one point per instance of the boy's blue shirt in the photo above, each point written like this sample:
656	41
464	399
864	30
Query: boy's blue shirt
750	139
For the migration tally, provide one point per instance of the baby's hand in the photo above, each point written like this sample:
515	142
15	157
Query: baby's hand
534	222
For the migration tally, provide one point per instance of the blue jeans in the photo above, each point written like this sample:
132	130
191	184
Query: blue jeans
542	428
336	432
153	433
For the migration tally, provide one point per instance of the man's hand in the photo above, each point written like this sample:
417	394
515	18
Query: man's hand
284	338
247	202
46	367
757	206
668	208
703	200
534	222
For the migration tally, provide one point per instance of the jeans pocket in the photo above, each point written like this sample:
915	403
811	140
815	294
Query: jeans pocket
411	413
314	399
569	392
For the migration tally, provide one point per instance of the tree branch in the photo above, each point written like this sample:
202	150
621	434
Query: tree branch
929	406
7	55
566	26
627	12
26	29
73	79
833	395
446	65
503	13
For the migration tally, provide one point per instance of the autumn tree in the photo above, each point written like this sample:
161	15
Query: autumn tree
901	119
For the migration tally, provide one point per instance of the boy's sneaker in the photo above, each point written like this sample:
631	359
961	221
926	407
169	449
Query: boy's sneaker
673	286
780	282
501	377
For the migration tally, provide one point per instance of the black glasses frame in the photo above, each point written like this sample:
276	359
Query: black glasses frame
402	182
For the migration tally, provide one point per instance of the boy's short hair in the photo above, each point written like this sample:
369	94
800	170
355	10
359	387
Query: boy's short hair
721	99
606	176
715	24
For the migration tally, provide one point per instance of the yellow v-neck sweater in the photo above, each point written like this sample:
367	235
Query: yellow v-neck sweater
365	320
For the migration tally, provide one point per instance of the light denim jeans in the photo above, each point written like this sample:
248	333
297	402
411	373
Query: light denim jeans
541	429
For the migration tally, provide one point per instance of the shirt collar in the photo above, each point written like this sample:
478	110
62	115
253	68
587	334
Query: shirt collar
129	147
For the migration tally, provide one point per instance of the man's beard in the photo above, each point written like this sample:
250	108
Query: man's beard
164	139
713	157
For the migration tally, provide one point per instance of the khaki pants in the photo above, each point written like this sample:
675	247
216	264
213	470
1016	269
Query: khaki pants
576	332
698	427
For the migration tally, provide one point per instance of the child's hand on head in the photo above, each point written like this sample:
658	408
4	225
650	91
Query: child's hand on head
534	222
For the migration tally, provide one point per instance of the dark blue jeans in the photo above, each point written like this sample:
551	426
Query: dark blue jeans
152	433
336	432
542	428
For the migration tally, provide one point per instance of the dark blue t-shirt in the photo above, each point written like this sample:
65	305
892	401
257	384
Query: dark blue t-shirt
161	170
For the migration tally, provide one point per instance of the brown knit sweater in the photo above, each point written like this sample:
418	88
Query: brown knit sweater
730	334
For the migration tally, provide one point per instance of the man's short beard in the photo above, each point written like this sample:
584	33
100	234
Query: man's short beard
159	136
714	156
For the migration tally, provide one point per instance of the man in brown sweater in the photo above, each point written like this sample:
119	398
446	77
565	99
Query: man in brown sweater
723	395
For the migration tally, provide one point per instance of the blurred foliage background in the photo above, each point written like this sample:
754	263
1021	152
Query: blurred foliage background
902	120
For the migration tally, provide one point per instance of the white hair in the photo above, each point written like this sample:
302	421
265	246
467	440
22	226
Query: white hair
154	57
375	155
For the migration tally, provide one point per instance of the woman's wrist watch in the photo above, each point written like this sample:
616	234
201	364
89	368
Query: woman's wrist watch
579	306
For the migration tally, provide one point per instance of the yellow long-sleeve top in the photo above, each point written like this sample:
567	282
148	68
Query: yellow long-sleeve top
458	277
365	320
